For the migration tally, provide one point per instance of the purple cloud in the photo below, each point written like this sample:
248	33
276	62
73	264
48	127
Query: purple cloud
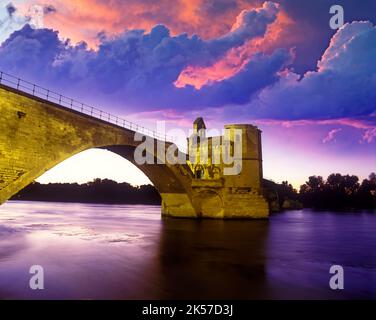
343	85
137	70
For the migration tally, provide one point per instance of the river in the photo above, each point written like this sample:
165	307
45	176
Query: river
93	251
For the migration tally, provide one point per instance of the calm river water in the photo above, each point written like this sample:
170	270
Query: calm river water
91	251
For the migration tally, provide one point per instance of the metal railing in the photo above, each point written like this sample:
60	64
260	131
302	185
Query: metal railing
51	96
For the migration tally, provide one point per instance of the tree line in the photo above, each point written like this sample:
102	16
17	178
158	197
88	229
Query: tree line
97	191
337	192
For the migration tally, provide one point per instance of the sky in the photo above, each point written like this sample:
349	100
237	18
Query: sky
276	64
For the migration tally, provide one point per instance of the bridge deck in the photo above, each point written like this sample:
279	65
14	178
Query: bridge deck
24	87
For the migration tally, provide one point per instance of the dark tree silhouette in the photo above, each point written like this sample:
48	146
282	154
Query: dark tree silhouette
339	192
97	191
367	192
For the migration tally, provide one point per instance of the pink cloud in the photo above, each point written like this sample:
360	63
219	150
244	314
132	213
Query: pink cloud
113	17
369	136
237	58
331	135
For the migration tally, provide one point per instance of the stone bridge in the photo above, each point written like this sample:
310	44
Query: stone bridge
39	129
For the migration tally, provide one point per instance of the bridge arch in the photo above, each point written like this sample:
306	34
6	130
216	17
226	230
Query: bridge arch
208	203
46	134
37	134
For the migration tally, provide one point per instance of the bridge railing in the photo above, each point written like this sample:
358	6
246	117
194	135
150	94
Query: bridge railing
51	96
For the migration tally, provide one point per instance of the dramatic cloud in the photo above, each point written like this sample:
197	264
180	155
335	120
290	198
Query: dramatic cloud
240	74
138	70
236	58
31	52
207	18
343	85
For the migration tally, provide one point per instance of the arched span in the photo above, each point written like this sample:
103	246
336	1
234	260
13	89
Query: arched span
37	135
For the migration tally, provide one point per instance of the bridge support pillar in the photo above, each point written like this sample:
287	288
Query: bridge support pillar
177	205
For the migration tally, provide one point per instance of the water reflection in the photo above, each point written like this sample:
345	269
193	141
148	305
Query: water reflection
210	258
128	252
